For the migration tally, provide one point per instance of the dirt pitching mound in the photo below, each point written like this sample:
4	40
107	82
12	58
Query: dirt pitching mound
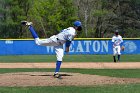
46	79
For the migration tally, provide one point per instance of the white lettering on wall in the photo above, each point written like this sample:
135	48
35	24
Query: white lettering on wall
79	47
49	48
96	46
104	46
8	42
87	44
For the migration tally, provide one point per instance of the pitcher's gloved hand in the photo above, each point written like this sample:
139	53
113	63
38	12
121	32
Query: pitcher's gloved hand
122	48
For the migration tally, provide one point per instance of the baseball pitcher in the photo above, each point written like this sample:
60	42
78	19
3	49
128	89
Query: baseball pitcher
64	37
117	41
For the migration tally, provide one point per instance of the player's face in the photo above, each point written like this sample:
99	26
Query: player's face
116	33
79	28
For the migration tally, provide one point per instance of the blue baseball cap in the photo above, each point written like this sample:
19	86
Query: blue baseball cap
77	23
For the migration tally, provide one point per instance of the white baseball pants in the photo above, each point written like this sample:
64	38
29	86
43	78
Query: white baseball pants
116	50
52	41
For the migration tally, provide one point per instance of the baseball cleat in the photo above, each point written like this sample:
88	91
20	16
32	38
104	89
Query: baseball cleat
118	60
26	23
57	76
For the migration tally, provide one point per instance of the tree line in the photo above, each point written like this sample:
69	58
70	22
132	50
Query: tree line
99	17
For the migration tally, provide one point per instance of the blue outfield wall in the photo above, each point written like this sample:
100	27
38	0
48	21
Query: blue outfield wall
28	47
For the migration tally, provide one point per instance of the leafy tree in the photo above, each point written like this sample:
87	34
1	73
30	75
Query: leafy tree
51	16
126	17
99	17
12	12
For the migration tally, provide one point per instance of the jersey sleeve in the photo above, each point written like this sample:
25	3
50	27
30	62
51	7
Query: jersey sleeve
113	39
121	43
121	40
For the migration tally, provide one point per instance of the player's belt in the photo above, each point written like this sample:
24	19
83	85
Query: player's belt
57	38
58	41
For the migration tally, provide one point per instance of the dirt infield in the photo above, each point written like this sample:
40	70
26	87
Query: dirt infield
68	79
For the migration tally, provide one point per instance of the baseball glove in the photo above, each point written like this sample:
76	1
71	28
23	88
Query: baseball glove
122	48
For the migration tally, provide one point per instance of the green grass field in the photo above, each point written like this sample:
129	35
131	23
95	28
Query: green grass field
129	88
68	58
124	73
